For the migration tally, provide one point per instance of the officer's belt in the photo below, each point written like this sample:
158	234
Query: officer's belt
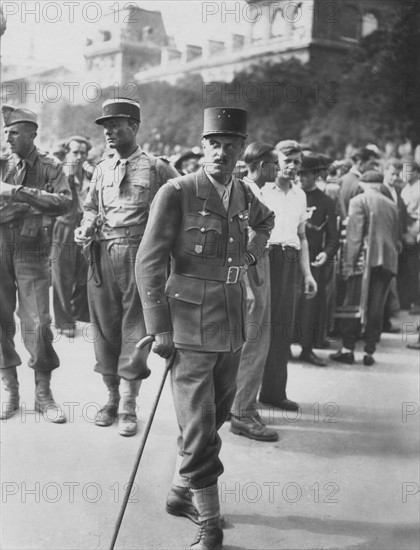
229	275
107	233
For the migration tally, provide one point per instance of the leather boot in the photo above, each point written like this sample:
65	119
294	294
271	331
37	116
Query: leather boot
210	533
127	417
44	400
179	503
109	412
11	388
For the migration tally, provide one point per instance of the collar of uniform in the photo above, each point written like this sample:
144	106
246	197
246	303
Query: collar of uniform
206	190
220	188
135	155
30	159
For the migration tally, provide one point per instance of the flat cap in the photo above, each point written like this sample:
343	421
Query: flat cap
288	147
13	115
120	107
372	176
225	120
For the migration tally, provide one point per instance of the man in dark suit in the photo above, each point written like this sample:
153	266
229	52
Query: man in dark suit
383	263
363	160
321	233
201	222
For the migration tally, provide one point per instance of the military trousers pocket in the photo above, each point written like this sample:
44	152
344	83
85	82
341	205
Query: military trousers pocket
185	298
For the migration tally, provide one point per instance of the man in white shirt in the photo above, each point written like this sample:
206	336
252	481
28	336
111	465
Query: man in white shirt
261	160
288	249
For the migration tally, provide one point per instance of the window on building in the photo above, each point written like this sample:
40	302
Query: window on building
349	22
369	24
258	30
279	26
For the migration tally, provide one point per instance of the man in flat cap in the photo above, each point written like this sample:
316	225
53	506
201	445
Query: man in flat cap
68	266
33	188
322	236
289	259
369	211
200	220
115	215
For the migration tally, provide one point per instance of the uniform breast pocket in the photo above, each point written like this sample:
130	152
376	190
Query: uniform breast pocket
202	236
134	193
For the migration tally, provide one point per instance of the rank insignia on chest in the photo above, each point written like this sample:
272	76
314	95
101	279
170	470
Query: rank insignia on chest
243	215
198	249
204	213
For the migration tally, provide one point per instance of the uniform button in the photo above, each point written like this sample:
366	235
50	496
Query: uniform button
176	295
231	239
158	302
202	230
229	260
231	220
148	293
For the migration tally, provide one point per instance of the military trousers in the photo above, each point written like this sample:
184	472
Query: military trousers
203	389
257	332
285	284
25	281
115	309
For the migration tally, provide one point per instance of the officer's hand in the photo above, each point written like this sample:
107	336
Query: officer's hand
83	235
320	259
311	287
164	345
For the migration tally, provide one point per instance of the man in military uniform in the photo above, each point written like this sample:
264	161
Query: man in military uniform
200	220
322	236
33	186
118	201
68	266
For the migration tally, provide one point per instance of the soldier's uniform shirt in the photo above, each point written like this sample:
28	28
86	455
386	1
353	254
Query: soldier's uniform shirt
205	314
24	262
120	192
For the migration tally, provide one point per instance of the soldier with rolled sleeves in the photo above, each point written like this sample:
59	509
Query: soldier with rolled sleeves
115	215
33	187
200	221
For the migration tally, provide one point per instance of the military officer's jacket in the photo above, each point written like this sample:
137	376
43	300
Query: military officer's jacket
45	190
203	302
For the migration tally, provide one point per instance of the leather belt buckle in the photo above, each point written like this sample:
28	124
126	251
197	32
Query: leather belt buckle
233	275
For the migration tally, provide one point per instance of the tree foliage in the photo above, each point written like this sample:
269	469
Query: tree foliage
378	99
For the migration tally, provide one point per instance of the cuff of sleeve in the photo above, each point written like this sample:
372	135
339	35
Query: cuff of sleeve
157	319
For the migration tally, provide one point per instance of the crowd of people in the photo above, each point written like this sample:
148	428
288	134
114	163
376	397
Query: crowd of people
226	254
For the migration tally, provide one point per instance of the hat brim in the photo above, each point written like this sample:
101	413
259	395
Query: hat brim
108	117
19	121
224	133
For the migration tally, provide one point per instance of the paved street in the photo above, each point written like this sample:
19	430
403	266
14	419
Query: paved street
343	475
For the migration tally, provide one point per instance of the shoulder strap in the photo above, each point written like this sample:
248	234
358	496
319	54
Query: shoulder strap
248	193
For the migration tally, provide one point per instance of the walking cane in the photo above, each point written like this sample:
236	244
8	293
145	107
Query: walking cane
140	345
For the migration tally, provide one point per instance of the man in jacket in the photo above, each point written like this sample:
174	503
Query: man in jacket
383	263
68	266
116	212
201	221
33	188
363	160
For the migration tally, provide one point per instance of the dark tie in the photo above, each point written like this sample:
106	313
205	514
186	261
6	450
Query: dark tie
20	172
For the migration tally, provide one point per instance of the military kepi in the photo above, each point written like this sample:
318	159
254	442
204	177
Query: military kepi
119	108
224	120
13	115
